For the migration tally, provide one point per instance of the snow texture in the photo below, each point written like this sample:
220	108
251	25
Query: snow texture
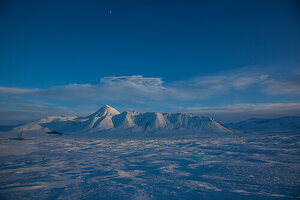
225	166
125	156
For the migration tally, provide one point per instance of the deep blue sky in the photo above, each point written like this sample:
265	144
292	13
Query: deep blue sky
79	41
44	44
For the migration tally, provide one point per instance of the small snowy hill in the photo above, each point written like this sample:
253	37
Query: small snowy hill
110	120
269	125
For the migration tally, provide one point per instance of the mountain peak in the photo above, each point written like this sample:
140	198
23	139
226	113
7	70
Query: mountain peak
105	111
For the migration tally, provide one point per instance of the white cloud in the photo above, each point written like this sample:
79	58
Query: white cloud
133	88
135	81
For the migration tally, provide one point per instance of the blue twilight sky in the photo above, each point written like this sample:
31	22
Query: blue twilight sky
229	59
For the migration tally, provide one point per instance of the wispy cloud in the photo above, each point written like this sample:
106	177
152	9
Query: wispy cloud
277	87
206	86
135	81
153	93
247	107
16	113
137	87
16	91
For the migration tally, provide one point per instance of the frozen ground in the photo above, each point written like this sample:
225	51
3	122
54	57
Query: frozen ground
235	166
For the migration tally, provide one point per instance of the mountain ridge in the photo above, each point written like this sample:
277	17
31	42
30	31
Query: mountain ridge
287	123
108	119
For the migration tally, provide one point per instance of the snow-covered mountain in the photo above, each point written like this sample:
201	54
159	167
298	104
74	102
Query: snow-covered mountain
109	119
268	125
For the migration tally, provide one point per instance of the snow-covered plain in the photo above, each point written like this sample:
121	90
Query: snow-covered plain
199	166
133	155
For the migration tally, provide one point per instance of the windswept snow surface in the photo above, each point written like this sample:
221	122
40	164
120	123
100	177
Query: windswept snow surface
108	119
222	166
132	155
